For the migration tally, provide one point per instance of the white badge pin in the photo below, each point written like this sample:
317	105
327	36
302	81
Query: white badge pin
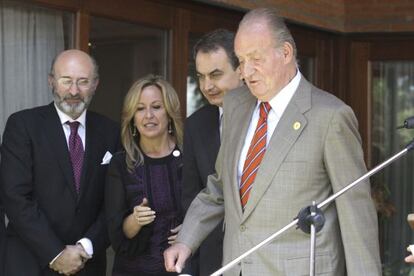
176	153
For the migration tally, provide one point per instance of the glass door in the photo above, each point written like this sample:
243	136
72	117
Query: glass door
124	52
392	98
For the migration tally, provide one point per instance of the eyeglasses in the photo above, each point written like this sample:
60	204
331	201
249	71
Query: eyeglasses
83	83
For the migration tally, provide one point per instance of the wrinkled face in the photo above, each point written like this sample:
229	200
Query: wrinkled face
262	62
215	75
73	83
151	118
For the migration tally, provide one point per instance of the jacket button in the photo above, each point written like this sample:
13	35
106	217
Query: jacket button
243	227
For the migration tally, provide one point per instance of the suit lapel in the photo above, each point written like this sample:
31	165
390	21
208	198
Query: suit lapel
92	146
54	132
283	138
211	133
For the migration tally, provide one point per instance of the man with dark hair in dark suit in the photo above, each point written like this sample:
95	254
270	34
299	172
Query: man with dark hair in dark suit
52	171
217	72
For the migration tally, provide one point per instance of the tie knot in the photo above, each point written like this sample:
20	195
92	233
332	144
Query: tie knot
73	126
264	109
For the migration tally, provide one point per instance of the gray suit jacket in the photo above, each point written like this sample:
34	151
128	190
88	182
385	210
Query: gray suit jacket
201	146
299	166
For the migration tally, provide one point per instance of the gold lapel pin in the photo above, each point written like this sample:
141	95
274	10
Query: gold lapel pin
296	126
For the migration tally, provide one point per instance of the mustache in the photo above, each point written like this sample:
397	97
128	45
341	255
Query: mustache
71	97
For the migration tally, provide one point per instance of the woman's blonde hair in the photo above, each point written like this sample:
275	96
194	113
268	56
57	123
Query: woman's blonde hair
171	103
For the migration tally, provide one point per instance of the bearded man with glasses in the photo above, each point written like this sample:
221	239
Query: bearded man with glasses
52	175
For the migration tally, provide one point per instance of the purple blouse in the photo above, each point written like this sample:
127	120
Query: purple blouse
159	180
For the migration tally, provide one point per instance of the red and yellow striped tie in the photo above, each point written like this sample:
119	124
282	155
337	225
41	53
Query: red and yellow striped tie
254	155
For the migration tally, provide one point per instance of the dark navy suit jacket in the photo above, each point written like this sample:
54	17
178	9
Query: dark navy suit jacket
37	190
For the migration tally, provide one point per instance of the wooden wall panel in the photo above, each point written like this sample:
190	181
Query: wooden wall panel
179	50
82	30
138	11
70	5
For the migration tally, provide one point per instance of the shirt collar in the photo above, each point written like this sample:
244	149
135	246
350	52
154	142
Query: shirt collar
64	117
282	99
220	111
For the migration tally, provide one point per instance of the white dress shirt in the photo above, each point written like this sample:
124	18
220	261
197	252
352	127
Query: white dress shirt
64	118
220	119
278	104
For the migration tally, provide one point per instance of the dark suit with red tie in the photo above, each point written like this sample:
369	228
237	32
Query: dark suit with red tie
38	192
201	145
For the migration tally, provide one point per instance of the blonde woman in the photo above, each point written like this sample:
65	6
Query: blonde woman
143	187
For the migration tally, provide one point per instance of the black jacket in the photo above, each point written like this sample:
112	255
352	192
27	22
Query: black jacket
38	192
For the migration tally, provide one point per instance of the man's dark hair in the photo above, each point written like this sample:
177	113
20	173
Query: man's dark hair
212	41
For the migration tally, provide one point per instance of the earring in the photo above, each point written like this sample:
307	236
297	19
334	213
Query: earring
134	131
170	130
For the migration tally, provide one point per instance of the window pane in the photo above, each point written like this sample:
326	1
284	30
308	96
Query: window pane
195	99
30	37
392	102
306	67
124	52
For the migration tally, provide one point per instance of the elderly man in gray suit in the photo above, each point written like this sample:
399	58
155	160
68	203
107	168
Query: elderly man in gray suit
285	143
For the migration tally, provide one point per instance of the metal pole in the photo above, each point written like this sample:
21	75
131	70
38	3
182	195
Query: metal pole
312	244
368	174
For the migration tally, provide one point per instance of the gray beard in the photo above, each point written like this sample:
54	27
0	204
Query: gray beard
73	111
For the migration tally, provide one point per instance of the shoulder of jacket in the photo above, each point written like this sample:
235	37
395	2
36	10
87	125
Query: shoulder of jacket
201	114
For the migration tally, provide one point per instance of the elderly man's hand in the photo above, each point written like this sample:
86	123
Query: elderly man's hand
175	257
71	260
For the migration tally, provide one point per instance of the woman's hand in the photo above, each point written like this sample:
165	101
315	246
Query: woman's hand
143	214
171	239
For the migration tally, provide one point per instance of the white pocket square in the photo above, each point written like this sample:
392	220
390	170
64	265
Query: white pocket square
107	157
